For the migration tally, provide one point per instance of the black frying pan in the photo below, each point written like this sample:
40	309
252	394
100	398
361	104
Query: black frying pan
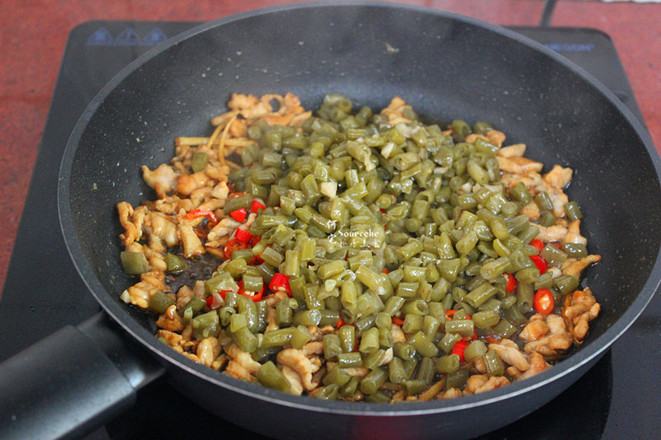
447	67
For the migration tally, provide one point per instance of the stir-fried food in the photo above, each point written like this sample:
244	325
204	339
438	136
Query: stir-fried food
359	256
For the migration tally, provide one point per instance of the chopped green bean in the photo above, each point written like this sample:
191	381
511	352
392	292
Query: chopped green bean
269	375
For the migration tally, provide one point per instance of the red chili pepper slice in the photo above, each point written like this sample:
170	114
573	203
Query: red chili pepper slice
242	235
254	239
459	348
239	215
280	281
537	244
510	285
340	323
256	297
232	246
212	300
195	213
541	263
386	271
544	302
256	205
397	320
222	293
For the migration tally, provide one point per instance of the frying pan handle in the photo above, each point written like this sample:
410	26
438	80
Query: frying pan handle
72	382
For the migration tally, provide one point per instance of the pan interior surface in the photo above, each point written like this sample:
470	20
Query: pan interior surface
445	66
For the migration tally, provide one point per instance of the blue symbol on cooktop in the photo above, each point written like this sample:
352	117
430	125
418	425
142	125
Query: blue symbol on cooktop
100	37
129	37
571	47
153	38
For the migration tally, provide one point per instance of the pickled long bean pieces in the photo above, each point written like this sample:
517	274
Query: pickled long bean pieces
359	255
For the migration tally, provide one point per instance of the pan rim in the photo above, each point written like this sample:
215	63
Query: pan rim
119	314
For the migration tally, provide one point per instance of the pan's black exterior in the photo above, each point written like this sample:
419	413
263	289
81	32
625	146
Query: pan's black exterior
447	67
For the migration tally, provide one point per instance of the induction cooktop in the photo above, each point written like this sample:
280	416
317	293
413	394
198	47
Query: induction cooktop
618	398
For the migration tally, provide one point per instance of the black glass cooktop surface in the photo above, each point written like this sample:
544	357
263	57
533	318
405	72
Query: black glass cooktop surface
618	398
